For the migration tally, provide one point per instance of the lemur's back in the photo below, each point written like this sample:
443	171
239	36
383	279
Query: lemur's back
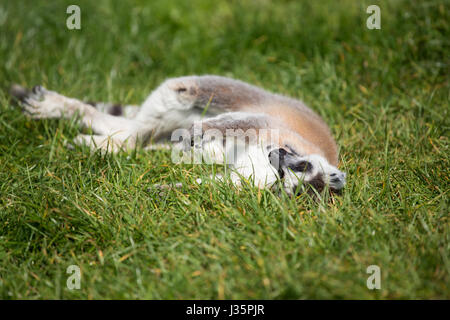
227	94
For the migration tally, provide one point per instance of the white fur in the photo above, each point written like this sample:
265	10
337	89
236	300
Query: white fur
248	161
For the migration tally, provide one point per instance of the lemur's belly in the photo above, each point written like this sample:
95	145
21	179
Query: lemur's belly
249	160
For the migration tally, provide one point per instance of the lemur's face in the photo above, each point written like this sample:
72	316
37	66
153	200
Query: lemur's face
314	170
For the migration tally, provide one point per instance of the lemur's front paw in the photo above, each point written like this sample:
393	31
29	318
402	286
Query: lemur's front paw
41	103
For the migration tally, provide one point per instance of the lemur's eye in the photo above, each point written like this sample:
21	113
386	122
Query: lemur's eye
302	166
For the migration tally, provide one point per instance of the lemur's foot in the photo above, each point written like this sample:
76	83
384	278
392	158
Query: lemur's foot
18	94
41	103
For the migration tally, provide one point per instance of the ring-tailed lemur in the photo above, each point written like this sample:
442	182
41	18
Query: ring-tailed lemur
304	152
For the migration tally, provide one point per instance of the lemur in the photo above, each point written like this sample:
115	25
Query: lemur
303	154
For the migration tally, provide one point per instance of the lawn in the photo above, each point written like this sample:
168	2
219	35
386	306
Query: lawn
384	93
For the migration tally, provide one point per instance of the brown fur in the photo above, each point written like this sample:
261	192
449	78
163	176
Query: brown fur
303	129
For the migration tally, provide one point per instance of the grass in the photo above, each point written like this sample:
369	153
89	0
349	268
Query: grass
385	94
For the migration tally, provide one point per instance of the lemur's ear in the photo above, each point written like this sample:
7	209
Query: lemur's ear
276	157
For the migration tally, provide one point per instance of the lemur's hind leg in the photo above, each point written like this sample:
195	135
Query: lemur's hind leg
115	109
170	106
45	104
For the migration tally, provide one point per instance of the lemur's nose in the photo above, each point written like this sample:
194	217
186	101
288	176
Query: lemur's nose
338	178
341	175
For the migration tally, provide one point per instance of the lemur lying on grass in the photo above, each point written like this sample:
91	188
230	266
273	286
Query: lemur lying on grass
278	138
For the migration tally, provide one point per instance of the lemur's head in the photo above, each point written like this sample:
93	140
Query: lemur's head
313	170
